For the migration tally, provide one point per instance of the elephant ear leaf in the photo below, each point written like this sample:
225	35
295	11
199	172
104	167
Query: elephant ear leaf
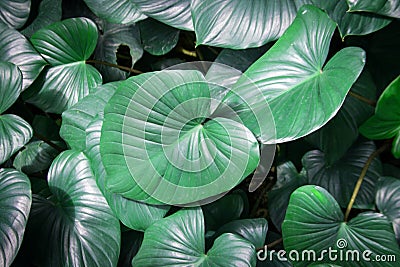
15	204
14	13
14	131
65	45
302	90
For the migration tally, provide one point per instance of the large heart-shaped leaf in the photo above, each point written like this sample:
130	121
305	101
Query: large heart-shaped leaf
49	12
387	200
75	226
158	38
384	7
15	48
65	45
288	180
178	240
177	153
385	123
349	23
314	222
14	13
338	135
76	119
14	134
240	24
302	92
15	204
340	177
111	38
133	214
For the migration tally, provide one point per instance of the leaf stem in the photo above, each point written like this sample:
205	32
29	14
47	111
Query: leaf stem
48	141
363	99
94	61
361	178
272	244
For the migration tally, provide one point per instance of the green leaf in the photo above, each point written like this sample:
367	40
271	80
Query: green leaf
340	177
15	48
217	23
76	119
10	85
120	11
178	240
14	134
153	116
75	226
49	12
383	7
15	204
302	92
111	38
158	38
130	244
339	134
387	201
14	13
385	123
349	23
35	157
135	215
314	221
288	180
253	230
65	45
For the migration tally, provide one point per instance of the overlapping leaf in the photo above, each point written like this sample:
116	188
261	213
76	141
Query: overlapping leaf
384	7
302	90
159	114
314	221
15	204
180	238
385	123
75	226
65	45
14	13
240	24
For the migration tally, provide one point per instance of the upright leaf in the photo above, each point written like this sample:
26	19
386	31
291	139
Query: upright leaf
240	24
65	45
389	8
14	13
302	90
10	85
15	204
75	226
178	240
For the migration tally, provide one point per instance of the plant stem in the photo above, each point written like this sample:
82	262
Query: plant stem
361	178
272	244
363	99
48	141
93	61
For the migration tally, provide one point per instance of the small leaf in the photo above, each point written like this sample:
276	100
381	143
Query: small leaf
15	204
14	134
75	226
302	93
314	221
15	48
49	12
76	119
385	123
111	38
14	13
217	23
158	38
10	85
383	7
387	200
340	177
179	240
